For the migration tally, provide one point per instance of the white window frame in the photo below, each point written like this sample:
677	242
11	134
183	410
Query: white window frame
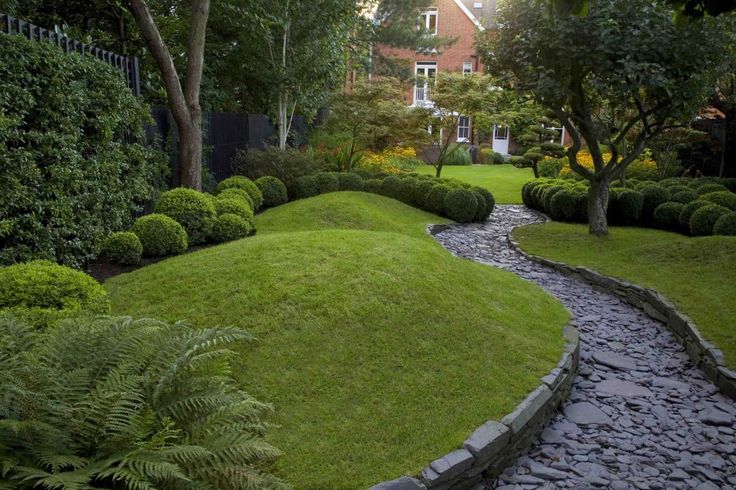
422	91
478	5
425	20
500	135
463	129
467	67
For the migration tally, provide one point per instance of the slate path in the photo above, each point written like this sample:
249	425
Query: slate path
639	416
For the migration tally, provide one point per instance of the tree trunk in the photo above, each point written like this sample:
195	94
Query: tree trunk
535	168
597	207
190	154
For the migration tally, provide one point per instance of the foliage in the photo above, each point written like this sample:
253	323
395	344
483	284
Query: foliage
160	235
72	164
328	182
654	195
286	165
461	205
233	205
626	207
436	198
392	160
667	216
306	186
123	247
726	225
486	203
273	190
391	187
237	193
244	183
563	206
684	197
43	292
550	167
457	154
191	209
708	188
643	168
722	198
228	227
498	159
350	182
704	219
688	210
138	404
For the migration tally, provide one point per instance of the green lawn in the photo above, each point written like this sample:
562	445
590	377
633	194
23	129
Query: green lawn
697	274
504	181
379	350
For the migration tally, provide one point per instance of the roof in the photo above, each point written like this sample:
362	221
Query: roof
470	15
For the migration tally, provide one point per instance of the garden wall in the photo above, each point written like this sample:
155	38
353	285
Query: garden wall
703	354
496	445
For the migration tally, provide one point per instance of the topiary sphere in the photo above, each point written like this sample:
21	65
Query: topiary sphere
684	197
237	193
436	198
160	235
225	205
408	190
306	186
486	203
43	292
461	205
391	187
708	188
704	219
244	183
671	182
726	199
563	206
273	190
191	209
328	182
687	212
626	207
526	191
730	183
654	195
667	216
229	227
726	225
674	189
374	186
548	194
350	182
123	247
537	195
421	192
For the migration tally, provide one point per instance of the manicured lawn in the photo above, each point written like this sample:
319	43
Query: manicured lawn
379	350
697	274
504	181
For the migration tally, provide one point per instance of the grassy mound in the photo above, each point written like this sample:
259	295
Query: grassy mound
697	274
379	349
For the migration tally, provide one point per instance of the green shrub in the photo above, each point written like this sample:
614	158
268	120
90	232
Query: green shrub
626	207
684	197
229	227
421	192
550	168
461	205
436	198
350	182
286	165
533	156
486	203
726	225
526	192
674	189
273	190
328	182
457	155
43	292
726	199
563	206
235	193
498	159
244	183
667	216
674	181
548	194
537	194
123	247
654	195
374	185
408	191
306	186
644	183
687	212
118	403
364	174
391	187
710	188
191	209
553	149
704	219
238	207
730	183
74	165
160	235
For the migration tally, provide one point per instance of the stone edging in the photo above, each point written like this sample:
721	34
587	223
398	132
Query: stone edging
702	353
495	445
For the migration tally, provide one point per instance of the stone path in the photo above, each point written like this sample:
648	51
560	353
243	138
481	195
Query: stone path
639	416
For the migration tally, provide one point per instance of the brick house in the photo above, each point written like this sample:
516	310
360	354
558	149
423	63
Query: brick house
461	20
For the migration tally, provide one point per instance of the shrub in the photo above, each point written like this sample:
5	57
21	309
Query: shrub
74	163
550	167
726	199
461	205
238	207
457	155
350	182
436	198
667	216
498	159
726	225
229	227
684	197
626	207
374	185
687	212
306	186
519	161
273	190
391	161
123	247
235	193
730	184
548	194
328	182
43	292
563	206
391	187
710	188
675	188
553	149
286	165
191	209
408	190
486	203
244	183
704	219
526	192
422	190
654	195
160	235
643	168
114	402
581	202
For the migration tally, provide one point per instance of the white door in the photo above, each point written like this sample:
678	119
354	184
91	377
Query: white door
501	139
425	74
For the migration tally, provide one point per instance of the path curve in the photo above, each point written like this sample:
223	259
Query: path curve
640	415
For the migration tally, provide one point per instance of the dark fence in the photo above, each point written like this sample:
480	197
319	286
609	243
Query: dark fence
129	65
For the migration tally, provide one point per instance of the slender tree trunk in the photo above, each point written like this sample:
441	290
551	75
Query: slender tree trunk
535	169
597	207
190	150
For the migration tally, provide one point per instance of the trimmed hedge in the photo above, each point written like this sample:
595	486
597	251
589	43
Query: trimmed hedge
687	212
685	196
722	198
273	190
708	188
391	187
160	235
236	193
563	206
226	205
229	227
244	183
123	247
306	186
726	225
328	182
486	203
350	182
436	198
374	186
704	219
667	216
461	205
654	195
191	209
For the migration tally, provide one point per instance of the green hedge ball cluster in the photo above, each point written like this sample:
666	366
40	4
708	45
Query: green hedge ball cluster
123	247
160	235
245	184
234	205
229	227
273	190
237	193
191	209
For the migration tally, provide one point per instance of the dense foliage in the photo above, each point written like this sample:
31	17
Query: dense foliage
72	166
117	403
123	247
191	209
245	184
273	190
228	227
286	165
160	235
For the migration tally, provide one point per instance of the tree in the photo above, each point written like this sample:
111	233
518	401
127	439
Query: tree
693	9
617	77
183	98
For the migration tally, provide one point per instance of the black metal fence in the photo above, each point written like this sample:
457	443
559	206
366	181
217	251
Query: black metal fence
129	65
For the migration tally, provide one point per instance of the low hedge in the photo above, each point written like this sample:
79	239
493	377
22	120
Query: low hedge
726	225
708	188
687	212
654	195
191	209
229	205
436	198
667	216
685	196
328	182
391	187
160	235
350	182
306	186
486	203
229	227
244	183
123	247
563	206
704	219
461	205
722	198
625	208
273	190
237	193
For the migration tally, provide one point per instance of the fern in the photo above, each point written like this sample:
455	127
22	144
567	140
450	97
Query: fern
127	404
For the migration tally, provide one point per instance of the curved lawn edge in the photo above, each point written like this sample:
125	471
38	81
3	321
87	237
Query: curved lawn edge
703	354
